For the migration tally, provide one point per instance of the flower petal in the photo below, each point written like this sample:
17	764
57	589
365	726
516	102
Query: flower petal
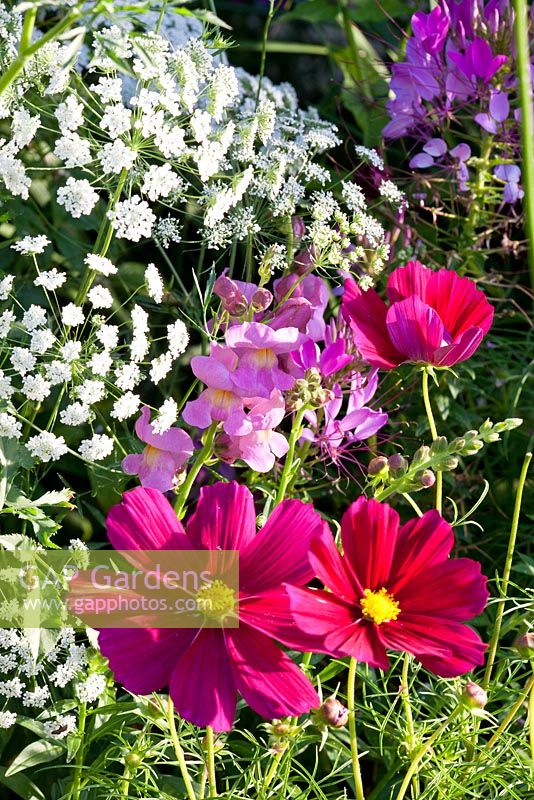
422	543
318	615
224	518
272	685
454	590
271	614
460	350
415	329
213	697
142	659
369	532
145	520
366	314
280	551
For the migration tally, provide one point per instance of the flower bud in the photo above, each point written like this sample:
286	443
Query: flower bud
397	462
334	713
133	759
299	228
427	478
377	465
474	695
525	645
261	299
280	728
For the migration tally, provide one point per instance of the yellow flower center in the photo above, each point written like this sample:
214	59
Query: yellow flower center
263	357
379	606
152	455
216	600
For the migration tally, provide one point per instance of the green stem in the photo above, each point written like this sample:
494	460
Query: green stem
74	793
210	753
265	37
201	459
506	572
511	714
19	62
103	248
414	766
434	434
531	723
356	772
27	29
271	772
527	127
180	757
288	463
408	711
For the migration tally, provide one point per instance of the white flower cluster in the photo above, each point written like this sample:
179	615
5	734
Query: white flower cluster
27	679
73	353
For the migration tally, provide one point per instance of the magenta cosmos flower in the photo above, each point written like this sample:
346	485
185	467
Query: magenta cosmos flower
395	588
164	455
433	318
205	668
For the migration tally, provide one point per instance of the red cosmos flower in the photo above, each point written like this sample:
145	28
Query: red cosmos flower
433	318
205	668
394	588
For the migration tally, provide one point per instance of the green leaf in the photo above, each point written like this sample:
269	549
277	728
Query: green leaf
203	15
21	786
40	752
12	458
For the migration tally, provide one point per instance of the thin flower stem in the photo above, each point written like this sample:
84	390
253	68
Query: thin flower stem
18	64
210	752
434	434
529	688
180	757
275	762
506	572
356	772
405	695
288	463
409	499
531	723
27	29
74	793
201	459
265	38
105	233
521	26
414	766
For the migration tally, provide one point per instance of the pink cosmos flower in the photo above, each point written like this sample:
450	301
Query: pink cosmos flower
164	454
433	318
394	588
262	445
205	668
258	346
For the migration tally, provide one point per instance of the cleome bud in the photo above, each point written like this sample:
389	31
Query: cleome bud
474	696
397	463
427	478
377	465
525	645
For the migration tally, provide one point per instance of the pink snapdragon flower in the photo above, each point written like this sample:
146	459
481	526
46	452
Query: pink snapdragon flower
301	302
257	347
164	455
433	318
262	445
206	667
219	402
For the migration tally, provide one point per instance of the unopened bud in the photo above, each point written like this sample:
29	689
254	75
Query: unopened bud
298	226
427	478
281	728
474	695
334	713
397	462
525	645
133	759
261	299
377	465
